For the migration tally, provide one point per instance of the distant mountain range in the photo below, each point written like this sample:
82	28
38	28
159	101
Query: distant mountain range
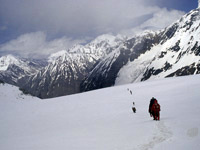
110	60
13	68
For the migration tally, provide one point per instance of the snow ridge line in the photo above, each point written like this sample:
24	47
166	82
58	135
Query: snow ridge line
162	134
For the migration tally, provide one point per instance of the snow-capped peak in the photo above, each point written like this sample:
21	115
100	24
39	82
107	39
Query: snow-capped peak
108	38
7	60
54	56
104	37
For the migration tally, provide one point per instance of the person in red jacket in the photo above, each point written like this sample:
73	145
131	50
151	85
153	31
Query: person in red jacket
156	110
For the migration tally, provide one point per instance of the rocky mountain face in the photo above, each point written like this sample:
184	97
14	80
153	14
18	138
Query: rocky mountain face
67	69
60	77
177	54
110	60
174	51
105	72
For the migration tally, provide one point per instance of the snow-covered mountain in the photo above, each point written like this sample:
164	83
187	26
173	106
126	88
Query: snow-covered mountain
105	72
100	46
61	77
114	60
174	51
103	119
177	54
13	68
67	69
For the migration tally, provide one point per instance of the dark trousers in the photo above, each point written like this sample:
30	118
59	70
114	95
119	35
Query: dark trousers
156	115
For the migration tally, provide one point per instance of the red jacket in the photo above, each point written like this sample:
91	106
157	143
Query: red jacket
155	107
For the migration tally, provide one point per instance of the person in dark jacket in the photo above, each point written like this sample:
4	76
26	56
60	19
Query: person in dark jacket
156	110
150	106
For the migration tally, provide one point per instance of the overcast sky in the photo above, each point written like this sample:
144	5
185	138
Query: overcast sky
37	28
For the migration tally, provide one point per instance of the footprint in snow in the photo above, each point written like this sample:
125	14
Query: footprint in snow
161	135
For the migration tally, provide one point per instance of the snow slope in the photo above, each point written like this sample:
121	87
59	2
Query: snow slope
179	51
103	119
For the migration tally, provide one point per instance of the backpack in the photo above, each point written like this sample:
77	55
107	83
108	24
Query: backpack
156	107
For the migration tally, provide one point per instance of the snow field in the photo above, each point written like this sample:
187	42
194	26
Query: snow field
103	119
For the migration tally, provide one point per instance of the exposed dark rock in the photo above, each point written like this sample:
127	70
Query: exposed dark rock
162	54
167	66
2	82
176	47
188	70
196	49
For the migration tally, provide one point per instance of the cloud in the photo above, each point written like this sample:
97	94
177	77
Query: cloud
35	45
74	18
163	18
68	21
160	19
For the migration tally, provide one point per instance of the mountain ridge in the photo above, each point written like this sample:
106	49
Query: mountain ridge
68	68
114	60
176	47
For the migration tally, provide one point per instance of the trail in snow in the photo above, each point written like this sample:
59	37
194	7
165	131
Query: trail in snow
162	134
103	119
